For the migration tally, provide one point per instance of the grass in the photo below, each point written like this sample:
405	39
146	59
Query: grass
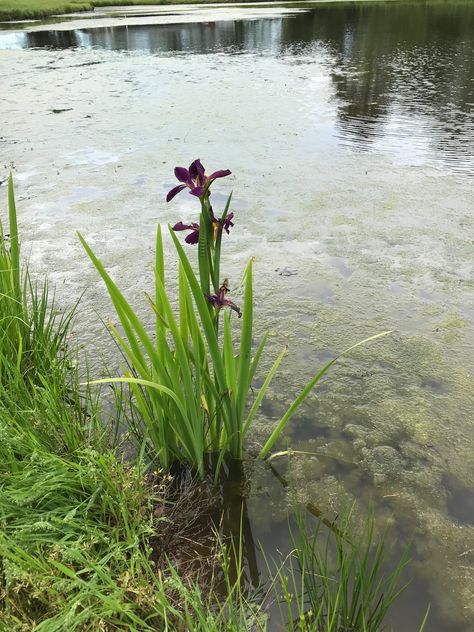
346	586
31	9
79	525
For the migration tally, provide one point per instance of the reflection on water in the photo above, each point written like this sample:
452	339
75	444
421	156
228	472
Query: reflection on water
402	73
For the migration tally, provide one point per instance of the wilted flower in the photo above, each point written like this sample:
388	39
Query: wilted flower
219	300
226	223
195	179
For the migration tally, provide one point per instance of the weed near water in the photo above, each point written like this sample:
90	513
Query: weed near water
31	333
345	579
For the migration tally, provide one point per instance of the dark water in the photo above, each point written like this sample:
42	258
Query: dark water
400	70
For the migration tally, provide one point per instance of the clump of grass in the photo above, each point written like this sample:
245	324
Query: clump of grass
75	550
73	542
334	580
39	379
79	526
32	334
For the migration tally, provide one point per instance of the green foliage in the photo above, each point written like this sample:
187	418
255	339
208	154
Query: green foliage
24	9
72	540
39	384
191	385
335	581
31	333
75	533
77	522
13	309
190	390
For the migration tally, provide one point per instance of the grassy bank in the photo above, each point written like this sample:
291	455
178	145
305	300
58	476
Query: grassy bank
30	9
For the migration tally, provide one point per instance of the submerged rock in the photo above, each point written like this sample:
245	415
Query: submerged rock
383	463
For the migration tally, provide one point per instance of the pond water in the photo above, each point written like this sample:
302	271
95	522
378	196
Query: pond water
349	129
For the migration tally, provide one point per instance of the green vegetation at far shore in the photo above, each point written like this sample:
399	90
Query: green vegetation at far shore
33	9
26	9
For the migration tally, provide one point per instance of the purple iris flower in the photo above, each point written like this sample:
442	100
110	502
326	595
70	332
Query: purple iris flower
219	300
195	179
193	237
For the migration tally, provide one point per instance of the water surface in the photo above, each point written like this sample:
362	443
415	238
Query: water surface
349	129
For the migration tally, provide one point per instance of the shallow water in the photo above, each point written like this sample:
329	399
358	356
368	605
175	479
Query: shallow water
350	132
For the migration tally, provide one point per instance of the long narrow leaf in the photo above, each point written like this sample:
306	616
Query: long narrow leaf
218	245
206	320
14	239
133	380
124	310
228	355
183	356
261	392
203	256
305	392
256	359
245	344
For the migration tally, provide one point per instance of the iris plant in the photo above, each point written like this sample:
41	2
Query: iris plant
208	232
191	383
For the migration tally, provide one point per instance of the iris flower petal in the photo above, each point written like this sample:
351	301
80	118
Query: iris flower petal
199	167
192	238
197	191
181	226
222	173
182	174
196	169
174	192
232	305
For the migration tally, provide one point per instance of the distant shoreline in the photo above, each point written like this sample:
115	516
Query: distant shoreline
35	9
